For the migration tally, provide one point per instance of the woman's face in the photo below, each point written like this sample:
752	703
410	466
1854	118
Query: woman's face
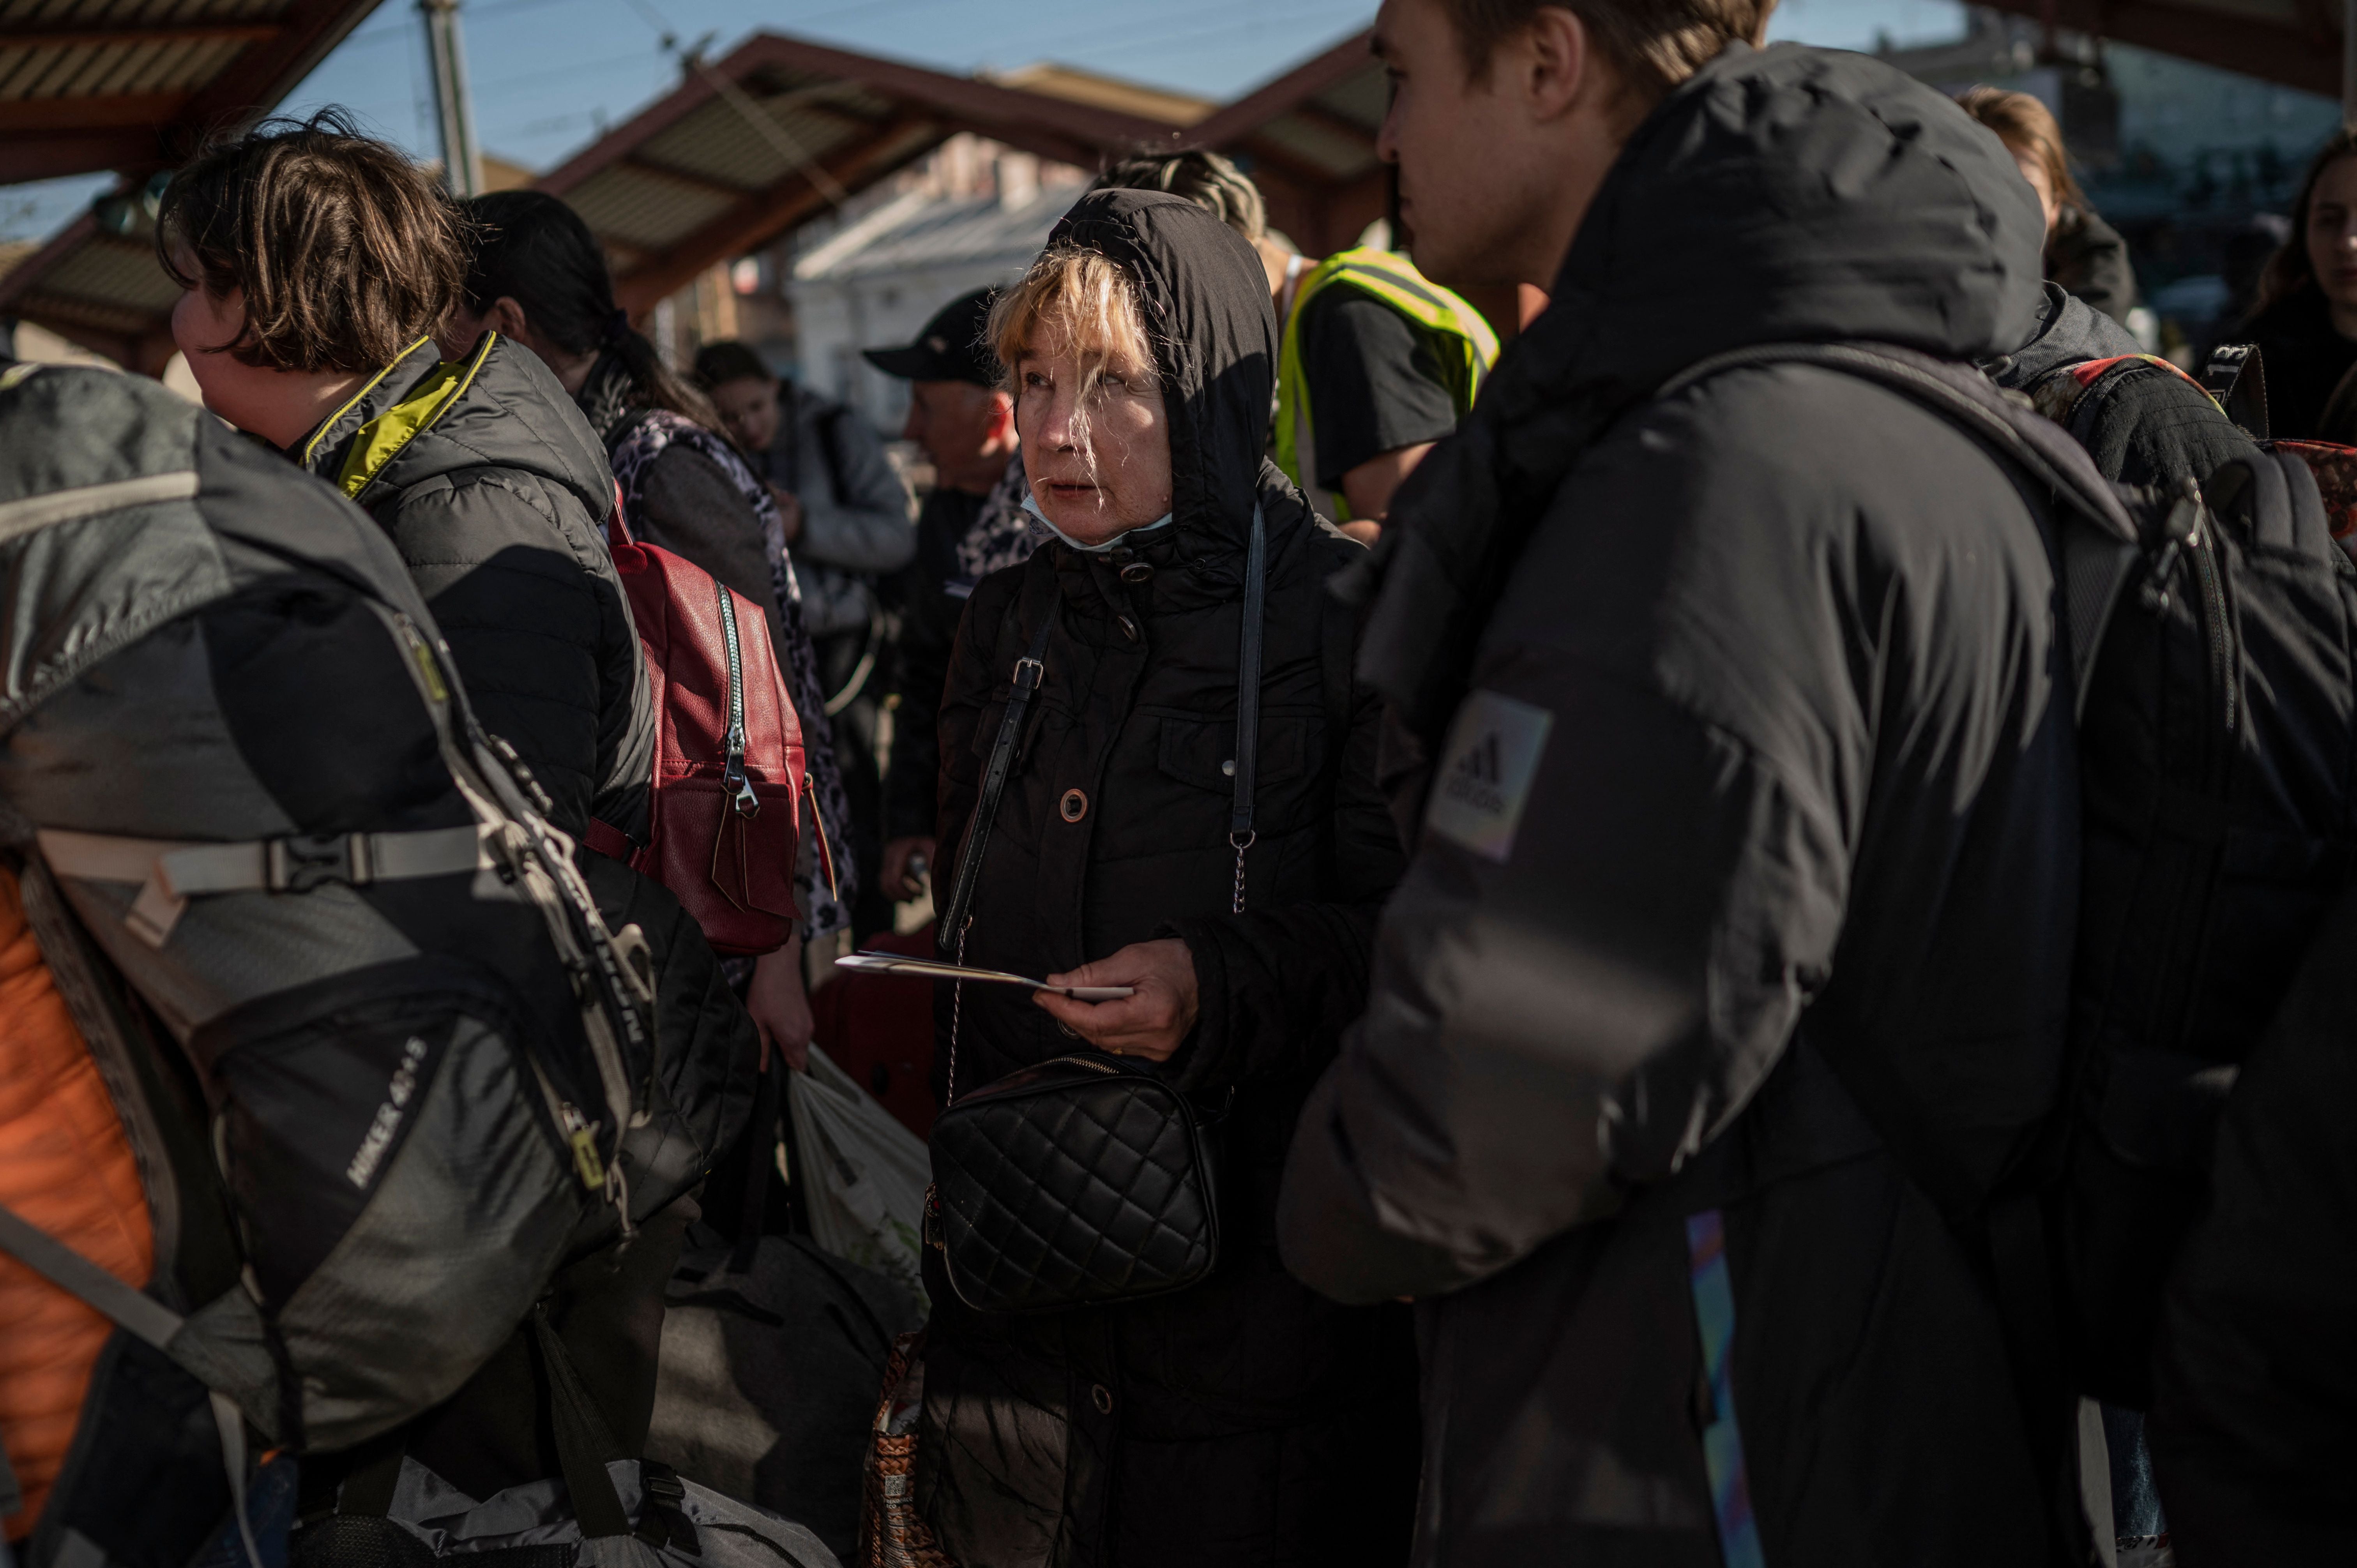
1099	459
2332	234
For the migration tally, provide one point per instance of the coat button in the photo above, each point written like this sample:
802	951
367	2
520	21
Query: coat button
1074	805
1137	572
1100	1397
1228	768
1130	628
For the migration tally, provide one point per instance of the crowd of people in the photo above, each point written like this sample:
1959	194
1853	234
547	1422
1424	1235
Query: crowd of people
1595	843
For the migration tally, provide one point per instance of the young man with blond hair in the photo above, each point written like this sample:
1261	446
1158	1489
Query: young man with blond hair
1724	993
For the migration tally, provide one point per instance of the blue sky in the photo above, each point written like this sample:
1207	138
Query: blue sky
548	73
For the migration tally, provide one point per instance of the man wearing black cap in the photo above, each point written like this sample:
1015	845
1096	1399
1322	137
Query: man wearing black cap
972	524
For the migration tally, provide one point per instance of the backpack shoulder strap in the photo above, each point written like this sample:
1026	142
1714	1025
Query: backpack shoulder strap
2237	378
2095	554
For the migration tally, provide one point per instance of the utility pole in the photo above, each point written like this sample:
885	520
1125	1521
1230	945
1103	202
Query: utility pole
453	106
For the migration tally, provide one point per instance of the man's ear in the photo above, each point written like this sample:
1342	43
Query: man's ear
1554	62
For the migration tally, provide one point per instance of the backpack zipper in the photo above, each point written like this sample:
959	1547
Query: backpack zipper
732	775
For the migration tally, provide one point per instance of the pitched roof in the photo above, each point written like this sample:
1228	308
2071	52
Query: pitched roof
752	144
87	85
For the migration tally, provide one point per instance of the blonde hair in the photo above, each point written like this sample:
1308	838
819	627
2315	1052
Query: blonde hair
2026	126
1096	304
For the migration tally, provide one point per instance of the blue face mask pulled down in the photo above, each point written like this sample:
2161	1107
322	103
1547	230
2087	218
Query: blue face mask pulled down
1041	519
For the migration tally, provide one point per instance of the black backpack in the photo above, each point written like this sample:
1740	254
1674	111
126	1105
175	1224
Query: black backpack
2213	639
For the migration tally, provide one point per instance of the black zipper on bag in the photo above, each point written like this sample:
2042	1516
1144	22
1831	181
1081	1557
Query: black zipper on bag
740	788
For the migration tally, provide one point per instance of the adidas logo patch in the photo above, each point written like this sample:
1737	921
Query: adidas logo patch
1493	753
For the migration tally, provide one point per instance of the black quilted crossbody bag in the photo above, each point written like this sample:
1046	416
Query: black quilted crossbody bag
1083	1179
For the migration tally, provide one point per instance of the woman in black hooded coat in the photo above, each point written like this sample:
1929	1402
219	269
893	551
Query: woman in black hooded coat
1246	1420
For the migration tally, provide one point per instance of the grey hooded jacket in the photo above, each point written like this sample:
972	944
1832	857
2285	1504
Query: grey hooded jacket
859	523
1755	778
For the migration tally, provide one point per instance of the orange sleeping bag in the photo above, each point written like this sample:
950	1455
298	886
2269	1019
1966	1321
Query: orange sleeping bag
65	1166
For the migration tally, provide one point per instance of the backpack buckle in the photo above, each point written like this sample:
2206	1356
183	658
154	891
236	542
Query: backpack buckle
300	863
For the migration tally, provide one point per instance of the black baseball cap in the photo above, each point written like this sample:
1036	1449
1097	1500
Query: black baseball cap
951	348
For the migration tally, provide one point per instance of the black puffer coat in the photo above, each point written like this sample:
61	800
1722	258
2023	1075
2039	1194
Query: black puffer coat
1755	781
1246	1420
496	494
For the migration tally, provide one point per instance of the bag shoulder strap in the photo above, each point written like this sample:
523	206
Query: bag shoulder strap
2095	555
1030	671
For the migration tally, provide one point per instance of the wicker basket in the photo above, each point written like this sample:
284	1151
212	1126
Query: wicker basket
891	1534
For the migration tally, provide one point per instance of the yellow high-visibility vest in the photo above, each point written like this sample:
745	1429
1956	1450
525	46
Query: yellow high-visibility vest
1461	342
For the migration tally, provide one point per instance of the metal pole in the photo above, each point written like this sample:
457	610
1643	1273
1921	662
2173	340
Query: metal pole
2348	66
454	107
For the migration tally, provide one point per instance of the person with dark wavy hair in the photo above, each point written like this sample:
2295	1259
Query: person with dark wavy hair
2306	323
535	274
318	266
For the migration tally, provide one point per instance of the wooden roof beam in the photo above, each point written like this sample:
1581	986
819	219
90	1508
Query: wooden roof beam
162	33
121	111
29	154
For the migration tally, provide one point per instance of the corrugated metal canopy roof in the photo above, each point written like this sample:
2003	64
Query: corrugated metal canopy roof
748	146
87	85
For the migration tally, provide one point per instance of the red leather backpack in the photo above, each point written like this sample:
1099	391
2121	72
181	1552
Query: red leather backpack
724	813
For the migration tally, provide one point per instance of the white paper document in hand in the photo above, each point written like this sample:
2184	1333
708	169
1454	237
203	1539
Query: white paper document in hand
933	969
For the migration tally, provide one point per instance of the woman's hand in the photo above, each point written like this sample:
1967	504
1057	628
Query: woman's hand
780	1008
1150	1024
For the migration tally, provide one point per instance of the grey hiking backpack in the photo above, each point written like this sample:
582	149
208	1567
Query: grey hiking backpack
382	1062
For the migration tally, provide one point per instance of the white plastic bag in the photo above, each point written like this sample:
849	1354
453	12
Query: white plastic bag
866	1173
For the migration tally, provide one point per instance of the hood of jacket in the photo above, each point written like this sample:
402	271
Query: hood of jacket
1783	195
2069	331
1214	334
422	417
